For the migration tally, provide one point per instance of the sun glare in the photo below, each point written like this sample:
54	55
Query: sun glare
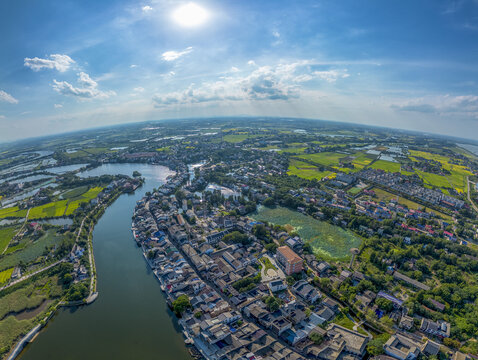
190	15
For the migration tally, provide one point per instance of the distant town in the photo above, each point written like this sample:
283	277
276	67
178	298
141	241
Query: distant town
269	238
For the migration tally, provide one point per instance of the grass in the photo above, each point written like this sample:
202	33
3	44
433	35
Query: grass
5	275
386	166
362	160
28	297
434	179
327	241
354	191
268	264
344	321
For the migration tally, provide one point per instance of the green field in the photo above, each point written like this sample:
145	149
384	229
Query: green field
306	171
386	166
5	275
31	251
36	295
70	194
13	211
237	138
327	240
325	158
6	234
53	209
75	203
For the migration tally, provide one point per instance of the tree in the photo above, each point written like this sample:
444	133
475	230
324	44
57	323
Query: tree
316	338
236	237
375	346
136	173
384	304
273	304
269	202
181	304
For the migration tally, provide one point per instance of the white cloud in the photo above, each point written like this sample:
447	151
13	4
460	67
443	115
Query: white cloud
251	62
56	61
332	75
6	97
85	80
174	55
276	34
464	106
2	117
58	106
280	82
234	69
88	88
146	9
138	89
132	66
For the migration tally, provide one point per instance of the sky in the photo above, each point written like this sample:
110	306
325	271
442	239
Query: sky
67	65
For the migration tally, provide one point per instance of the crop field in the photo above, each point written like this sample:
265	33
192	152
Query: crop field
457	178
362	160
434	179
86	197
31	251
13	211
306	171
325	158
5	275
53	209
237	138
386	166
6	234
70	194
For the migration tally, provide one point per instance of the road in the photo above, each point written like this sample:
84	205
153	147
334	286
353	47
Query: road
23	278
469	196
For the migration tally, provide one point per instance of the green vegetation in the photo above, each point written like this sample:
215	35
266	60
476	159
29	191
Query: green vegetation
6	234
53	209
386	166
31	251
306	171
268	264
5	275
181	304
326	240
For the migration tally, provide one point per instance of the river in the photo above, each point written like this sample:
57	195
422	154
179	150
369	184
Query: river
130	318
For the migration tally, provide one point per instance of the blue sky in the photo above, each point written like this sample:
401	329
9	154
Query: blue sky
69	65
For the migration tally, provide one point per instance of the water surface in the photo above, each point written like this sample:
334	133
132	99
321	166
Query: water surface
130	319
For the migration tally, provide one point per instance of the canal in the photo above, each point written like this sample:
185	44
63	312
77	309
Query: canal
130	318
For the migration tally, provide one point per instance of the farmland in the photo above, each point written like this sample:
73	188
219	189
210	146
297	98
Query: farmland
386	166
306	171
5	275
6	234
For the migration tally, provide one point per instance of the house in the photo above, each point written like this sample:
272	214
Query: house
331	304
290	260
306	291
440	328
401	348
343	342
430	348
277	285
406	322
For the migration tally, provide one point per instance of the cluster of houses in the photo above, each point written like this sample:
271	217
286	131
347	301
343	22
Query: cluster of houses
403	184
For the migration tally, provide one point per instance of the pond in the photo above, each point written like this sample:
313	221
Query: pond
326	239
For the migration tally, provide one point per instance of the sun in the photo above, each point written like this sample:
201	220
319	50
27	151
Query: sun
190	15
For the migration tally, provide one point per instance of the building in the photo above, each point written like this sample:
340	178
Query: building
290	260
401	348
